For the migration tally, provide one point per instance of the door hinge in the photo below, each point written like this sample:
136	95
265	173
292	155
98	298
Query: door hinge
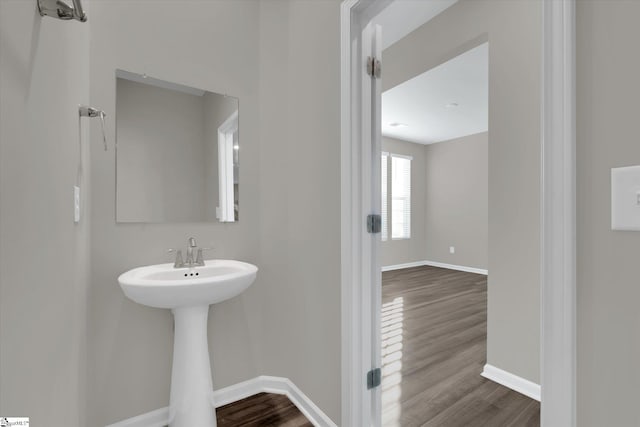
374	67
374	378
374	223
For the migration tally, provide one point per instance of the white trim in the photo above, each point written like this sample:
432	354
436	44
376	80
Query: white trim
514	382
352	395
558	270
157	418
402	266
357	290
436	264
233	393
230	124
457	267
276	385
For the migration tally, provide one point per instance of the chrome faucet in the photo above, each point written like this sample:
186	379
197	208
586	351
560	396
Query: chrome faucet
191	246
189	262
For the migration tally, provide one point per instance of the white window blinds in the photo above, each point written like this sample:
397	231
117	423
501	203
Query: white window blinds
400	197
383	185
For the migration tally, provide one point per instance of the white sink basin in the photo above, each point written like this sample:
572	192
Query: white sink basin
188	292
164	286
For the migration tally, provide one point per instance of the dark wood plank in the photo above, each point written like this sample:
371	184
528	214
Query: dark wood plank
261	410
434	331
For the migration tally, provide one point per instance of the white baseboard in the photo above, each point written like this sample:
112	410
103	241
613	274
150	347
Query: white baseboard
401	266
157	418
457	267
277	385
514	382
224	396
436	264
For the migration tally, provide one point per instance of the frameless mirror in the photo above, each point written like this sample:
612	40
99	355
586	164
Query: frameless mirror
177	151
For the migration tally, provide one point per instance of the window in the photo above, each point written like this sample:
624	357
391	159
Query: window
383	185
400	186
400	197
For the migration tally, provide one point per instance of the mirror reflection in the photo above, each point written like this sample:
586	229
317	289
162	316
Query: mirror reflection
177	152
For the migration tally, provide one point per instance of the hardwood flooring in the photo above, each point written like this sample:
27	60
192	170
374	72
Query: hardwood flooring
261	410
434	334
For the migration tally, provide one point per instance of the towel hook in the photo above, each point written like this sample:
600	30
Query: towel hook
86	111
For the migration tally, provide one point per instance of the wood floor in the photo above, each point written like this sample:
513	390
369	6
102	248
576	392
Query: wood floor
261	410
434	334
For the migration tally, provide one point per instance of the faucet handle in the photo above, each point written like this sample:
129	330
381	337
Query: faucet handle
192	242
178	263
199	257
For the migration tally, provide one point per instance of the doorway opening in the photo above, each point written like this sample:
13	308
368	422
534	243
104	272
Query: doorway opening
552	148
435	249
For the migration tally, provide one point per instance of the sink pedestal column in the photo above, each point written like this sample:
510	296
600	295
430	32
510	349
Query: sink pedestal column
191	400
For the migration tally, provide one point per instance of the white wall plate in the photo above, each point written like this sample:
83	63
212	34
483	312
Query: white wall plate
625	198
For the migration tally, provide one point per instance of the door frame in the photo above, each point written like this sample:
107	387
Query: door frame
558	223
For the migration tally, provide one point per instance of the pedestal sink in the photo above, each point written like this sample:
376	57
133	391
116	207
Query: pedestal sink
188	292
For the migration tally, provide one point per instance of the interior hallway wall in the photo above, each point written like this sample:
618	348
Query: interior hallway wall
44	263
607	283
514	32
457	196
300	196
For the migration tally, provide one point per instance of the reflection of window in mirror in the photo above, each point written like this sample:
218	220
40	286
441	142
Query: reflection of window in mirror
236	173
228	153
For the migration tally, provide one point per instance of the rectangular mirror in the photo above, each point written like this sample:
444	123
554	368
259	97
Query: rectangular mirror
177	151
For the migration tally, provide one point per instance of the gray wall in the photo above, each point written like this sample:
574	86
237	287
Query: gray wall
456	193
43	254
300	188
408	250
513	30
161	154
608	293
289	320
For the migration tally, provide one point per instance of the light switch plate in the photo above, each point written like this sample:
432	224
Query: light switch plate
625	198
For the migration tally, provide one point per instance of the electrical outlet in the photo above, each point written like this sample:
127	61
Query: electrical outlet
452	249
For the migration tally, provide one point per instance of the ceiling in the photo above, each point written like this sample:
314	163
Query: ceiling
403	16
446	102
